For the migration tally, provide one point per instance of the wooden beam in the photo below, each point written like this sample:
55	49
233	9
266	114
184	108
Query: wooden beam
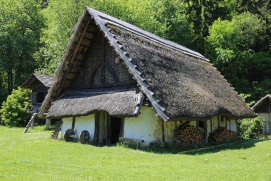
79	42
163	132
205	132
211	122
97	128
73	123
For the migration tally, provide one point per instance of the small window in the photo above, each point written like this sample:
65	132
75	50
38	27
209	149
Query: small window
201	124
40	97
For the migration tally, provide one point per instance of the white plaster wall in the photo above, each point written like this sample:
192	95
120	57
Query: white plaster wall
169	128
85	123
81	123
233	126
265	128
67	124
144	127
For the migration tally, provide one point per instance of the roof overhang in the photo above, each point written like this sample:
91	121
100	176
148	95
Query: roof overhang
115	101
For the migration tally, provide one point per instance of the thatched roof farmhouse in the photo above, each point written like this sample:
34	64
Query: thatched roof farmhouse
113	70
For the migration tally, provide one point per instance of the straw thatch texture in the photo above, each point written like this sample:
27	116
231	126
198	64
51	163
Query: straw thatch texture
186	86
46	80
116	101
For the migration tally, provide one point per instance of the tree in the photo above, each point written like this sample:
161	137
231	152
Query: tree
202	13
238	48
20	28
13	110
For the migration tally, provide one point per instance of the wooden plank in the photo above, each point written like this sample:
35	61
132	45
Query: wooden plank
70	76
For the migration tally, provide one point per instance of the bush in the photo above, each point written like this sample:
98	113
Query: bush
249	127
13	110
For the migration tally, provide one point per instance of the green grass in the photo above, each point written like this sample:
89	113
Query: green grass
34	156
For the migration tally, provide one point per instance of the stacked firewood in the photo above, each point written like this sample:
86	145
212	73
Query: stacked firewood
221	135
189	134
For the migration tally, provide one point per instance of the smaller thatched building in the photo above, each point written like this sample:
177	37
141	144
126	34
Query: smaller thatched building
117	80
39	84
263	109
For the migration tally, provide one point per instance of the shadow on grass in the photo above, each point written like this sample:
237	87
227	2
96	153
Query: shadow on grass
201	149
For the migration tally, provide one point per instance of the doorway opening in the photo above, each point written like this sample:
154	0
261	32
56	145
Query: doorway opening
116	129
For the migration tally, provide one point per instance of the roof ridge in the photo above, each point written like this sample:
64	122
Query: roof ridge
146	34
132	67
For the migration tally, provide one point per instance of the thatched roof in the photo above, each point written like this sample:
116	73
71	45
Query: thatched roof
178	82
263	105
84	102
34	79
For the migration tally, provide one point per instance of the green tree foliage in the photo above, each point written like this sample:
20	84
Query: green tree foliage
13	110
20	28
202	13
249	127
238	48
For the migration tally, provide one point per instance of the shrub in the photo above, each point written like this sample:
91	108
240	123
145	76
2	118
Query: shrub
249	127
13	110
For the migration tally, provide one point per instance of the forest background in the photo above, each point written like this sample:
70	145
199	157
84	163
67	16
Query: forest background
233	34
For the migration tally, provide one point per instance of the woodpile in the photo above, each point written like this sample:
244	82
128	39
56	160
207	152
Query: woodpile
221	135
189	134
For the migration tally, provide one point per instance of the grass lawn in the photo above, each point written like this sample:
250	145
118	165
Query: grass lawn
34	156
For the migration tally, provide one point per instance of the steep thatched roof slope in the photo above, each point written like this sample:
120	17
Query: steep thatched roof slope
263	105
179	82
117	102
46	80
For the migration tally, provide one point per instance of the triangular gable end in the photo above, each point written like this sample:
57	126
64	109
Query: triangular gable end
74	54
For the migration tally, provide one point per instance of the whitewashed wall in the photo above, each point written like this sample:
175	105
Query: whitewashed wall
142	127
81	123
266	127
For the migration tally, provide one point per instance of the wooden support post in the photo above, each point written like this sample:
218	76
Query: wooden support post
237	130
163	133
205	132
73	123
48	124
30	122
97	128
211	123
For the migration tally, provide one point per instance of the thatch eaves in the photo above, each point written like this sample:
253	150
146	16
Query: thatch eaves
179	82
121	102
263	105
45	80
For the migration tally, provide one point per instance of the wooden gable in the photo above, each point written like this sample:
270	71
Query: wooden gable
101	67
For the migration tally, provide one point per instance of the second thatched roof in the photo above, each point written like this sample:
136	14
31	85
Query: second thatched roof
43	79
